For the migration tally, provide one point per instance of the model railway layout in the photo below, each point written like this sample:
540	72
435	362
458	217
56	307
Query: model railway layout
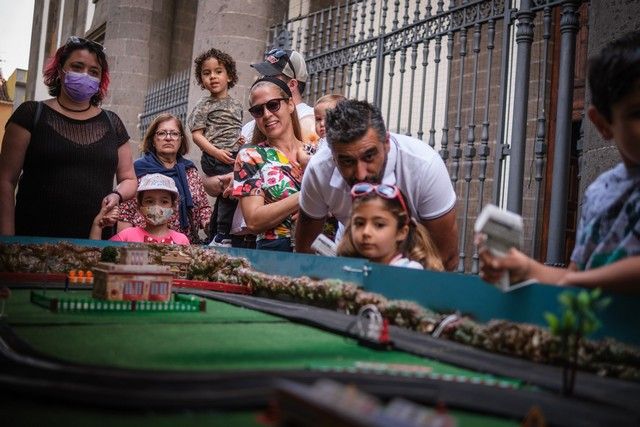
249	346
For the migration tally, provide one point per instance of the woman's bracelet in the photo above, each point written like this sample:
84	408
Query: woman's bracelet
119	195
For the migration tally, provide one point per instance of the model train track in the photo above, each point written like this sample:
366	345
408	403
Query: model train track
28	372
611	391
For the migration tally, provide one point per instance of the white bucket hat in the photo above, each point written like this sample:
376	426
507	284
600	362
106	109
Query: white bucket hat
157	181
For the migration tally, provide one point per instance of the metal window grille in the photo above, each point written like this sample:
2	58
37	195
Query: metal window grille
170	95
471	78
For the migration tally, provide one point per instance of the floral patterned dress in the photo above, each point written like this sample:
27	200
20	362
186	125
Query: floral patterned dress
262	170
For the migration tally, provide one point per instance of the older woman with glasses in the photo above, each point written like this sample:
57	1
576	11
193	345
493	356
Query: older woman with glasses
163	148
268	173
64	152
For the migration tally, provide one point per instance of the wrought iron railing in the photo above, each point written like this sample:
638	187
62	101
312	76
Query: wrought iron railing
471	79
170	95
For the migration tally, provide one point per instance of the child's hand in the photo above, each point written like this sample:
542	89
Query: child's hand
492	267
227	183
223	156
111	218
107	217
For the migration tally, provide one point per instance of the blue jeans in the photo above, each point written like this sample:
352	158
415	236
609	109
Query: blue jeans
282	244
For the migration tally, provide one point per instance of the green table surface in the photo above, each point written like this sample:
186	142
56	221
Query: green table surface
224	338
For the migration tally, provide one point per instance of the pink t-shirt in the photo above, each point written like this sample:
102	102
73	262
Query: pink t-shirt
139	235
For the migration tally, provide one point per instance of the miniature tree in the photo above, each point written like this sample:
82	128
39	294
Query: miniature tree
576	322
109	254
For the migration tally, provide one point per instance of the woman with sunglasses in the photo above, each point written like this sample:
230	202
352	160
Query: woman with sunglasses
381	230
65	151
163	149
268	172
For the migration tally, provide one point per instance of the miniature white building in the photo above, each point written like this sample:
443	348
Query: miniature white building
133	279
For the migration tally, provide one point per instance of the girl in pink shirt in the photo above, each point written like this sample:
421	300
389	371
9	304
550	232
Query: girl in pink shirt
157	201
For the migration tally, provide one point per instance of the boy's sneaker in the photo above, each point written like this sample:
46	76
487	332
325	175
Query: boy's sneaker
221	240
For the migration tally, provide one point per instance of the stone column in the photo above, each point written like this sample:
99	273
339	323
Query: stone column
607	21
35	70
74	19
183	29
240	28
138	46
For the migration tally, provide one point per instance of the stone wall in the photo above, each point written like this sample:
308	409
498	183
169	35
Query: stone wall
184	18
240	28
74	20
137	46
34	51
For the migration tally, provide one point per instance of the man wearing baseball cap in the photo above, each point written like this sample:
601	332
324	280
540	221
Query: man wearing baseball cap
288	66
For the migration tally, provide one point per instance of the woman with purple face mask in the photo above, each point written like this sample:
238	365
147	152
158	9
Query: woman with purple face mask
64	152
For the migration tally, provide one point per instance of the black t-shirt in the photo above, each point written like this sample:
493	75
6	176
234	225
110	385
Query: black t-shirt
69	167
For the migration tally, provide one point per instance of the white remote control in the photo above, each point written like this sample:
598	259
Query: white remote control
324	246
504	230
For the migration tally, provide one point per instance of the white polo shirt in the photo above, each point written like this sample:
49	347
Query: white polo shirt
412	165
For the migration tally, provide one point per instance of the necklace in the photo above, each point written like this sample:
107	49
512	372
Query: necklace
71	109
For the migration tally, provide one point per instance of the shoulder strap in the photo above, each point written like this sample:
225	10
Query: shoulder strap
36	116
111	125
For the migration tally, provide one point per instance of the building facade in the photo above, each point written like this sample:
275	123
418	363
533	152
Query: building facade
496	86
153	43
6	104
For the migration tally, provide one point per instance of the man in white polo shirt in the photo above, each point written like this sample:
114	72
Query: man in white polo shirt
361	149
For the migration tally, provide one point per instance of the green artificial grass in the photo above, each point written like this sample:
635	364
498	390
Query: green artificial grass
20	311
225	338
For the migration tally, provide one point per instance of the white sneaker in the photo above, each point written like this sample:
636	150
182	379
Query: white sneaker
221	240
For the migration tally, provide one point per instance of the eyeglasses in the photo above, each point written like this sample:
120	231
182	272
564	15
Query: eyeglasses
79	41
272	105
279	53
388	192
171	134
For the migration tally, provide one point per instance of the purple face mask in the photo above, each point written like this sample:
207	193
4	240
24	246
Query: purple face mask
80	86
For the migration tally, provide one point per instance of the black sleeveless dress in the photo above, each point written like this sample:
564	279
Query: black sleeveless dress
69	167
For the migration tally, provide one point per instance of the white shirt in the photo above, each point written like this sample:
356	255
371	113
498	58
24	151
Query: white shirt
302	109
400	261
322	142
412	165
